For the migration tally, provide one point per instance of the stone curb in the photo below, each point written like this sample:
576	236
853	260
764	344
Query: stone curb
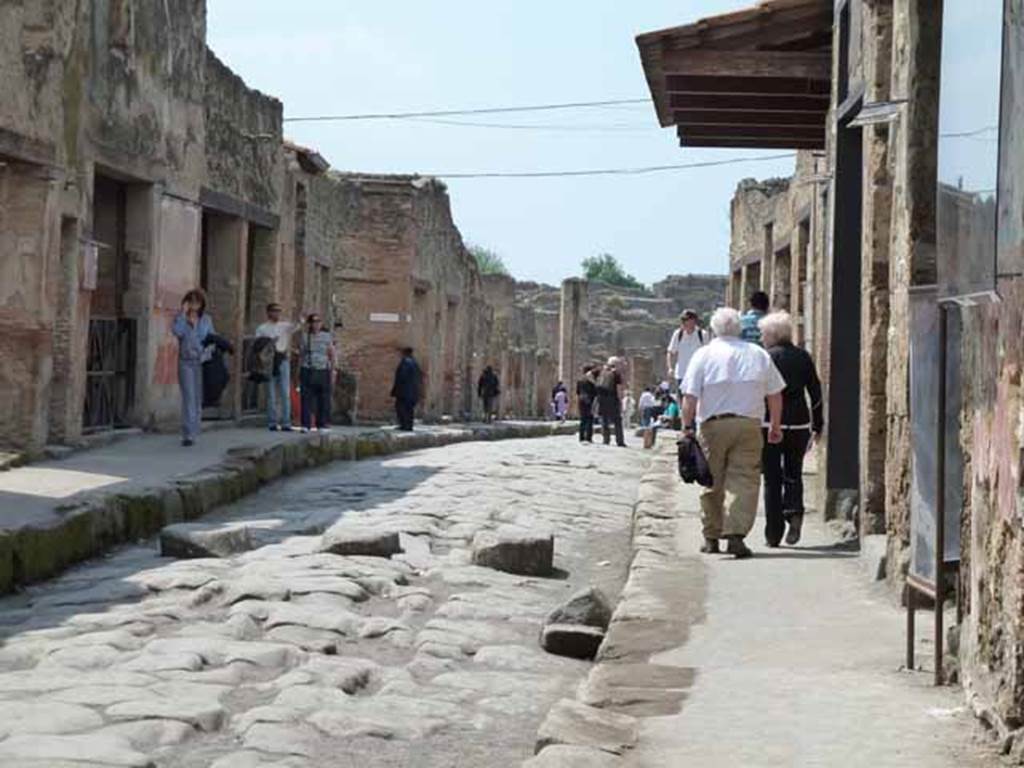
102	521
650	616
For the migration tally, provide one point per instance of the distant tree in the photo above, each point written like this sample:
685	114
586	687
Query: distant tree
489	262
606	268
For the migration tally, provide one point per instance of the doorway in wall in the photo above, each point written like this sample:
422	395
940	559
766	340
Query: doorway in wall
113	333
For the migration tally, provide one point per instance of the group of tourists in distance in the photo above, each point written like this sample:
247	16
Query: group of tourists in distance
749	396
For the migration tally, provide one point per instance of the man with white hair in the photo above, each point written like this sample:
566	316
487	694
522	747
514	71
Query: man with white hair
724	391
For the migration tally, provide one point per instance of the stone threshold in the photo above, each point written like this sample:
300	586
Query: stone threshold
662	598
102	521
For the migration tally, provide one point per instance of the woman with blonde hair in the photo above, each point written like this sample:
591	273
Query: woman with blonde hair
783	463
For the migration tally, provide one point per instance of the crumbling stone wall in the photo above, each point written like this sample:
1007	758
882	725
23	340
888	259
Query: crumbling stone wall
243	138
992	433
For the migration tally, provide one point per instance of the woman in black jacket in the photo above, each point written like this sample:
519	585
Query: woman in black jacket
783	463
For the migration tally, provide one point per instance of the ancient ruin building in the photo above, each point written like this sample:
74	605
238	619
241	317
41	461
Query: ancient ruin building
897	244
404	278
127	178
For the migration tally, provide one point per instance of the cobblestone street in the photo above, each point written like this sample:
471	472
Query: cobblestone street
288	656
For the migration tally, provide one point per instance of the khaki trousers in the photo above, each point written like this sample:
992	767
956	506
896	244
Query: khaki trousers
733	450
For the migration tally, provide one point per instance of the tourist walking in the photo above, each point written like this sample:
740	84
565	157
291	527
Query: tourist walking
279	383
724	392
561	405
406	389
783	462
646	406
488	389
316	372
586	394
191	326
609	398
758	308
628	409
686	339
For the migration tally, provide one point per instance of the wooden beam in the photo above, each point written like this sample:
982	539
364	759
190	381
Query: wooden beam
753	131
769	102
752	143
755	86
746	117
714	63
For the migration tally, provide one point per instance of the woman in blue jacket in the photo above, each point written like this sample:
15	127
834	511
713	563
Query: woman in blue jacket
191	327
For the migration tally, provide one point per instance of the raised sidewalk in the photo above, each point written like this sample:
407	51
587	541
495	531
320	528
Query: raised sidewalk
58	512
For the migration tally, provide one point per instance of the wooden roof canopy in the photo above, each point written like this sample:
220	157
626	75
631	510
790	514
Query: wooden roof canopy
759	78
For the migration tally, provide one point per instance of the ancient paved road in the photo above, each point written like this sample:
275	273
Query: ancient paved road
283	656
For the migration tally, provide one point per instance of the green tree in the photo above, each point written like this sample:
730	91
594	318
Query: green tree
489	262
606	268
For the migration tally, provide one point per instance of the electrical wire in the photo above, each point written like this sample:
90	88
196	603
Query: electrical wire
456	112
609	127
610	171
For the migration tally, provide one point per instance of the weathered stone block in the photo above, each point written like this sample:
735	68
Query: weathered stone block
515	550
347	539
577	641
587	606
570	722
189	540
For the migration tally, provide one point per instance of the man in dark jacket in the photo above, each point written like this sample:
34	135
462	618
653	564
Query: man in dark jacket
488	390
406	389
609	396
586	393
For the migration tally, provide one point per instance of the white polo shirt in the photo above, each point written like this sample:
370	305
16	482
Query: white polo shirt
281	332
683	345
730	375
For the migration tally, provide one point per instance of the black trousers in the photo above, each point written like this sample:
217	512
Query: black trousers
611	416
489	402
586	422
316	396
404	410
783	468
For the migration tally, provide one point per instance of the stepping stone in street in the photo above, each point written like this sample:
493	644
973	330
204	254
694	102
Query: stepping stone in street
513	549
587	606
577	641
191	540
347	539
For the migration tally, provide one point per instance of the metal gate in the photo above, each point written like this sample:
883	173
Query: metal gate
110	374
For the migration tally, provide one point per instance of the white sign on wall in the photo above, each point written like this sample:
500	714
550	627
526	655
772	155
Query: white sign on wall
385	317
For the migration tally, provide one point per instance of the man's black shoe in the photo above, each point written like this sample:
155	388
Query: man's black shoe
710	547
737	548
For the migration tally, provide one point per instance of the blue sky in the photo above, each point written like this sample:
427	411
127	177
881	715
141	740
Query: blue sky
353	56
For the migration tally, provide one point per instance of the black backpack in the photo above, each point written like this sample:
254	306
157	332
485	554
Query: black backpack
260	361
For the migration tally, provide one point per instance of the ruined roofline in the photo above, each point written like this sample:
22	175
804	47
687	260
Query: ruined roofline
212	57
692	275
772	186
413	180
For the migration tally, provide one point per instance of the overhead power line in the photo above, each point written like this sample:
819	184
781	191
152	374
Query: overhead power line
609	171
607	127
456	112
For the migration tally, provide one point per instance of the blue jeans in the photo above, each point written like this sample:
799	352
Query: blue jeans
190	380
280	386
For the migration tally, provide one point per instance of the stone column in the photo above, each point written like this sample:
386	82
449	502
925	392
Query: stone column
572	328
915	77
874	321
